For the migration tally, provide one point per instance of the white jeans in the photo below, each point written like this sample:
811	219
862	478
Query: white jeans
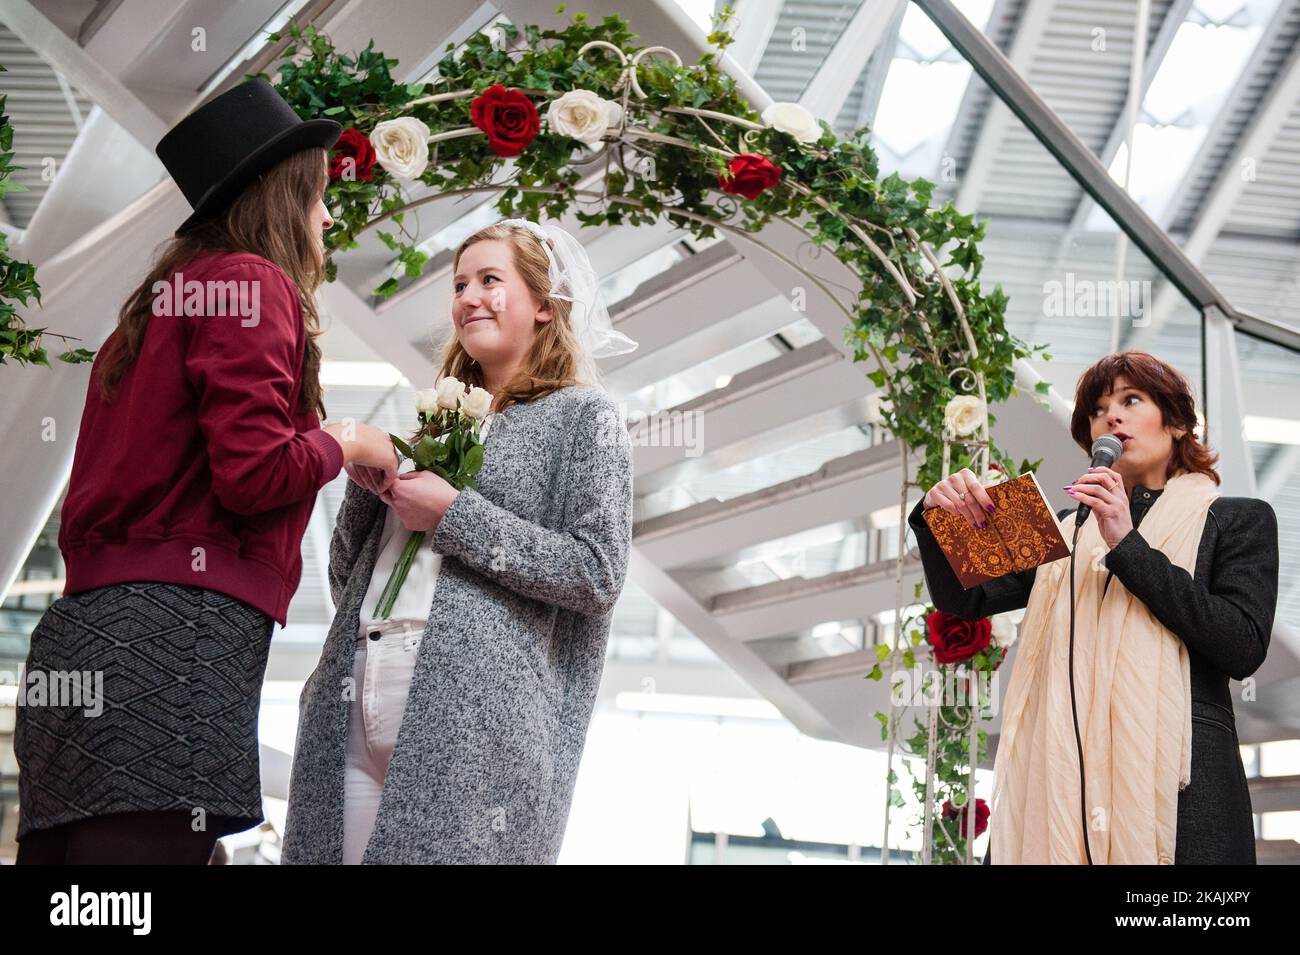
382	676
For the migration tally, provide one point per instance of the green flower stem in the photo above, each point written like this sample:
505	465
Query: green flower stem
398	577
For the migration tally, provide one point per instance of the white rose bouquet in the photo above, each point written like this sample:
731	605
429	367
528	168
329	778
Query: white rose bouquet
448	443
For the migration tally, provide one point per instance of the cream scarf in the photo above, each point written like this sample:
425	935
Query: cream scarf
1133	693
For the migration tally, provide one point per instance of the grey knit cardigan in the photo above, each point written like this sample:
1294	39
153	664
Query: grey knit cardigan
506	675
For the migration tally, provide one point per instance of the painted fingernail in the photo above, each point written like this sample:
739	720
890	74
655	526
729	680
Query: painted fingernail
983	525
989	508
1066	487
1071	492
1092	469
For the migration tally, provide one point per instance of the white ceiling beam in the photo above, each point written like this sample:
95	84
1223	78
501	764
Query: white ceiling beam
1225	427
743	660
793	397
83	71
1233	106
840	490
106	170
834	80
1174	17
702	338
755	19
414	32
70	99
998	120
878	71
1269	119
785	606
702	307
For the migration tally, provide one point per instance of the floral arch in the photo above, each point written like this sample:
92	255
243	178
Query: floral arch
581	118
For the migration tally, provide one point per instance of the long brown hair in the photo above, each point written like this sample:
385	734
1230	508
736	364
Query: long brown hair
1170	391
552	361
270	218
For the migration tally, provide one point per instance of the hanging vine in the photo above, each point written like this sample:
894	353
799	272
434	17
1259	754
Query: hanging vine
18	279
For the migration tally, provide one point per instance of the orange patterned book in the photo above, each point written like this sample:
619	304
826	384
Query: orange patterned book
1022	532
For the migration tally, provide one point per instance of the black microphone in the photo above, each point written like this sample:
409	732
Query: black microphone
1105	452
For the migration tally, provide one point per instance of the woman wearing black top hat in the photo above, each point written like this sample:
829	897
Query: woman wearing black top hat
196	469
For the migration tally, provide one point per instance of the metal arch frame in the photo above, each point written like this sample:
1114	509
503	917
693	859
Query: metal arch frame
1086	169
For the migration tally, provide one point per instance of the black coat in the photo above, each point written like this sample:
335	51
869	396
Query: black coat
1224	614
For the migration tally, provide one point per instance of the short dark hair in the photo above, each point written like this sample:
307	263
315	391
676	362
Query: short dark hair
1166	386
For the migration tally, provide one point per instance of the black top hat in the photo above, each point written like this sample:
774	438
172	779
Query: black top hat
226	143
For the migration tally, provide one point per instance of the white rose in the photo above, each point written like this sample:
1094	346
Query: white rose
477	403
964	415
877	405
402	146
1004	627
793	119
449	390
582	115
426	400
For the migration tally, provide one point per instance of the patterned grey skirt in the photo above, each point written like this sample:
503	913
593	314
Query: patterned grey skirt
143	696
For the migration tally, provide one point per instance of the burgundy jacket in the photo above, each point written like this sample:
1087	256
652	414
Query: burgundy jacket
202	471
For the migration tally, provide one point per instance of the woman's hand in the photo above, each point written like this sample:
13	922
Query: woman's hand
1103	490
962	494
420	499
364	444
374	480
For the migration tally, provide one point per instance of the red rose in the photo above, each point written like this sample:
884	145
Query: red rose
981	816
749	175
355	146
508	117
955	639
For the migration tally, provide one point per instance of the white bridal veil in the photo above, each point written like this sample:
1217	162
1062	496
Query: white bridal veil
575	280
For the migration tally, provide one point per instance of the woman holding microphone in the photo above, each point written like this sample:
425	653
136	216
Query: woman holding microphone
1175	592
